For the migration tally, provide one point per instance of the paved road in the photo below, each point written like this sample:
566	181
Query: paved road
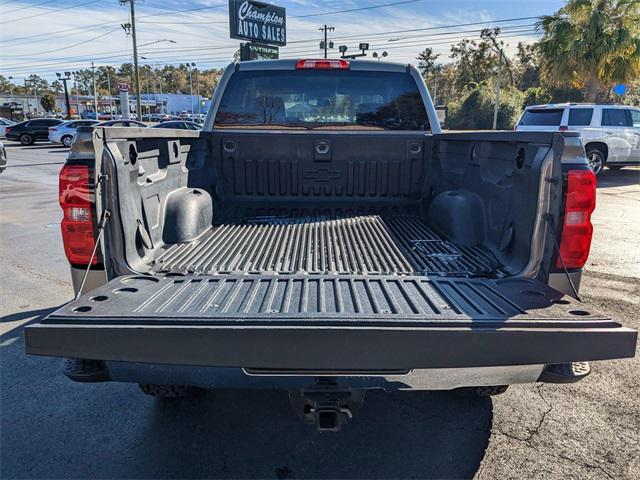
54	428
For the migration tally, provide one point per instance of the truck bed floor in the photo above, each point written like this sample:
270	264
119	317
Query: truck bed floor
357	245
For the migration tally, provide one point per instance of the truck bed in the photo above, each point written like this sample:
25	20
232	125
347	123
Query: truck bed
370	244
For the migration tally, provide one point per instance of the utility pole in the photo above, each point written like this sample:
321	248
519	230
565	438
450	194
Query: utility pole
109	88
326	29
197	91
64	79
190	86
135	56
497	105
26	93
95	94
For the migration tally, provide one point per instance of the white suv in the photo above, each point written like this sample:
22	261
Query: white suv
610	133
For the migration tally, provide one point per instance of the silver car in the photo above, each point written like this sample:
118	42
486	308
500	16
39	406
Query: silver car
64	132
4	123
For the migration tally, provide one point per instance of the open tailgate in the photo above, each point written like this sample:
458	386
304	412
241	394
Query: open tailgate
329	322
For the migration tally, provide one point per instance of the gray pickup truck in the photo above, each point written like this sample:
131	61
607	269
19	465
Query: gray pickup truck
322	235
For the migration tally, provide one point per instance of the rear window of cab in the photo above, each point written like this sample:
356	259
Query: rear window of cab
341	99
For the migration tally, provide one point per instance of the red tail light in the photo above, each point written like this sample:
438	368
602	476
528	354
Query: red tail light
8	129
52	129
577	230
563	128
77	220
322	64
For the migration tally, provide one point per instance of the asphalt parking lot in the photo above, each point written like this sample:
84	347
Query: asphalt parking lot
54	428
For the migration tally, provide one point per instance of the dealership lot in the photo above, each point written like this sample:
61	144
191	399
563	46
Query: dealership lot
52	427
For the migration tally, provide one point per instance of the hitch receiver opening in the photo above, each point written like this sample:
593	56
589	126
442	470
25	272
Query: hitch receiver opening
326	405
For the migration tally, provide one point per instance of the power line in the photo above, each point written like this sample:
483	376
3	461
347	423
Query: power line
320	14
50	11
153	51
30	6
305	51
426	37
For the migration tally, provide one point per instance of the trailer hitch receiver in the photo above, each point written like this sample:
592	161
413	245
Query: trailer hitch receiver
327	406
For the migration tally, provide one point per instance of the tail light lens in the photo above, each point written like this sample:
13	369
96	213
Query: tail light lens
8	129
563	128
77	221
577	230
52	129
322	64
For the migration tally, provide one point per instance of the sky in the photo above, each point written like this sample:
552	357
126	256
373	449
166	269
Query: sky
49	36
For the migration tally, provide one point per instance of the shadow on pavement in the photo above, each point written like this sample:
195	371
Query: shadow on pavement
54	428
257	435
618	178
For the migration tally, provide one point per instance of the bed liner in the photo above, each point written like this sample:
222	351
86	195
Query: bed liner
369	244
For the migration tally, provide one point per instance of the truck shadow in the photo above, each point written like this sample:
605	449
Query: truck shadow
619	178
239	434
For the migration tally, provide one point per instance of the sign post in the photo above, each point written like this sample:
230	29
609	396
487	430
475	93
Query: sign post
124	100
262	24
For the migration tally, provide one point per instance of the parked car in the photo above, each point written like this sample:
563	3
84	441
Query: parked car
121	123
88	115
610	133
329	253
64	132
3	158
180	124
4	123
31	131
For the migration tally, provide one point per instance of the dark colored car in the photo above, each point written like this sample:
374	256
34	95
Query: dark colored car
32	131
181	125
3	158
121	123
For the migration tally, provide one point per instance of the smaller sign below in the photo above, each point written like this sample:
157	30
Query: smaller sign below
123	87
258	51
620	89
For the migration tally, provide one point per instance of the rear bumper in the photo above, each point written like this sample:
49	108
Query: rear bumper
333	348
238	378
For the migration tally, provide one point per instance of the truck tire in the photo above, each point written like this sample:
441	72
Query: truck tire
169	391
26	139
596	159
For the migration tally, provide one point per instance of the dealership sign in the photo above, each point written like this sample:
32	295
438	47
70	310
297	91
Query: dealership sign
258	51
257	22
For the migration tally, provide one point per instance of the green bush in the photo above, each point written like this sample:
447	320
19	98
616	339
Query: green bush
474	110
537	96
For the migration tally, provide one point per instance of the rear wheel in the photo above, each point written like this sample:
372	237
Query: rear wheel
596	159
67	140
26	139
169	391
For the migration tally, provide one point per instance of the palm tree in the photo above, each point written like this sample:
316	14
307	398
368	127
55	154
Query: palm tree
591	44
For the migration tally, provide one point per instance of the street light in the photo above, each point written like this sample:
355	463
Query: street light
190	65
66	77
12	104
157	41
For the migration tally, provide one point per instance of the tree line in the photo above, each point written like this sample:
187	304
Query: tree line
586	48
165	79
